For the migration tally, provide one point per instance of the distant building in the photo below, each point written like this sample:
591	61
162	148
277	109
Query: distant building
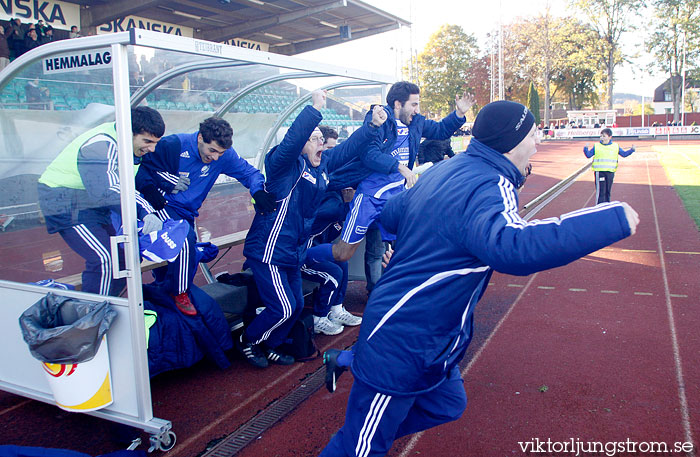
663	102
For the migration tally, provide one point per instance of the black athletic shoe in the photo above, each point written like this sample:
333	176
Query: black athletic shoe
333	371
279	358
251	353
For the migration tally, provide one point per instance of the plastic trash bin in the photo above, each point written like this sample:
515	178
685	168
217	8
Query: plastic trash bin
68	336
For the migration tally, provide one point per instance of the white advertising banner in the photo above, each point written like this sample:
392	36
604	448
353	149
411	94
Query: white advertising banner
628	131
57	14
123	24
248	44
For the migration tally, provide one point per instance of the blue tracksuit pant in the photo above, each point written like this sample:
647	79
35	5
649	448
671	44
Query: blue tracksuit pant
281	293
176	277
374	420
332	278
91	242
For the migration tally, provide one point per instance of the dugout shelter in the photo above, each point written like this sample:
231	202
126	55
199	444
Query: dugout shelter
259	93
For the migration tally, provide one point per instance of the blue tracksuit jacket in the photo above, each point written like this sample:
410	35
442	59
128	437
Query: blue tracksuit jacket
418	321
378	158
177	155
280	238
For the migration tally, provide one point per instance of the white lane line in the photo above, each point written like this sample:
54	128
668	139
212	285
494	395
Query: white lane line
609	291
685	415
578	290
545	287
414	440
515	285
12	408
643	293
679	296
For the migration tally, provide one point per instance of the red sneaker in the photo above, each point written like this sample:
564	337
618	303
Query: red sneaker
183	303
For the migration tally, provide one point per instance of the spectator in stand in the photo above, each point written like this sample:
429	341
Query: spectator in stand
48	35
74	33
4	46
31	40
40	29
16	39
37	97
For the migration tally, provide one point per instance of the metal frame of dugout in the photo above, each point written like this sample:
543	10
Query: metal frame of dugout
127	342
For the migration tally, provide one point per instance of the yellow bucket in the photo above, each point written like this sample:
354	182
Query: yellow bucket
83	386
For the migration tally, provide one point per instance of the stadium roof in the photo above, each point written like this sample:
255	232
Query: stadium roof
288	26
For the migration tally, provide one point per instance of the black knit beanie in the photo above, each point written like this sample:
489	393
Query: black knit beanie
502	125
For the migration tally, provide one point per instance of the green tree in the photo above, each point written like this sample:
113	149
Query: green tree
533	102
541	49
610	19
443	68
674	42
576	82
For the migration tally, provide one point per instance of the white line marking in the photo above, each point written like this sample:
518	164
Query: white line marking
515	285
609	291
12	408
578	290
412	443
679	296
643	293
545	287
672	323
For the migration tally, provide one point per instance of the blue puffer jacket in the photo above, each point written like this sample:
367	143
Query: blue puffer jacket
280	238
378	157
454	227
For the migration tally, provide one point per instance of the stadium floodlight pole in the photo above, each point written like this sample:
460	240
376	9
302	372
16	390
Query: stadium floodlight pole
493	69
501	94
685	44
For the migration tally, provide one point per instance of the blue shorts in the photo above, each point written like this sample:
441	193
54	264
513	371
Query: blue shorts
364	210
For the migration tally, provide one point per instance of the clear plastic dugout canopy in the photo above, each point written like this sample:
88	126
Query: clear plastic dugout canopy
56	92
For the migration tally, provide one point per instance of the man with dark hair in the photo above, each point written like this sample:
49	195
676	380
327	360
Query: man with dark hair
178	177
79	191
454	228
387	164
434	151
330	136
605	163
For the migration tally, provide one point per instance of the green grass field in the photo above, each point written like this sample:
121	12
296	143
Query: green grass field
682	165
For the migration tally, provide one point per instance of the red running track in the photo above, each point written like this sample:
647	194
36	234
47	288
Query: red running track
602	350
596	333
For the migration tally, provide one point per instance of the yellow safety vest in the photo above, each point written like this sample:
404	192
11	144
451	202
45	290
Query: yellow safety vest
63	171
605	158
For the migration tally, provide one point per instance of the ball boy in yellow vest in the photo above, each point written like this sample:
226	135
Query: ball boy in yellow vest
605	163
